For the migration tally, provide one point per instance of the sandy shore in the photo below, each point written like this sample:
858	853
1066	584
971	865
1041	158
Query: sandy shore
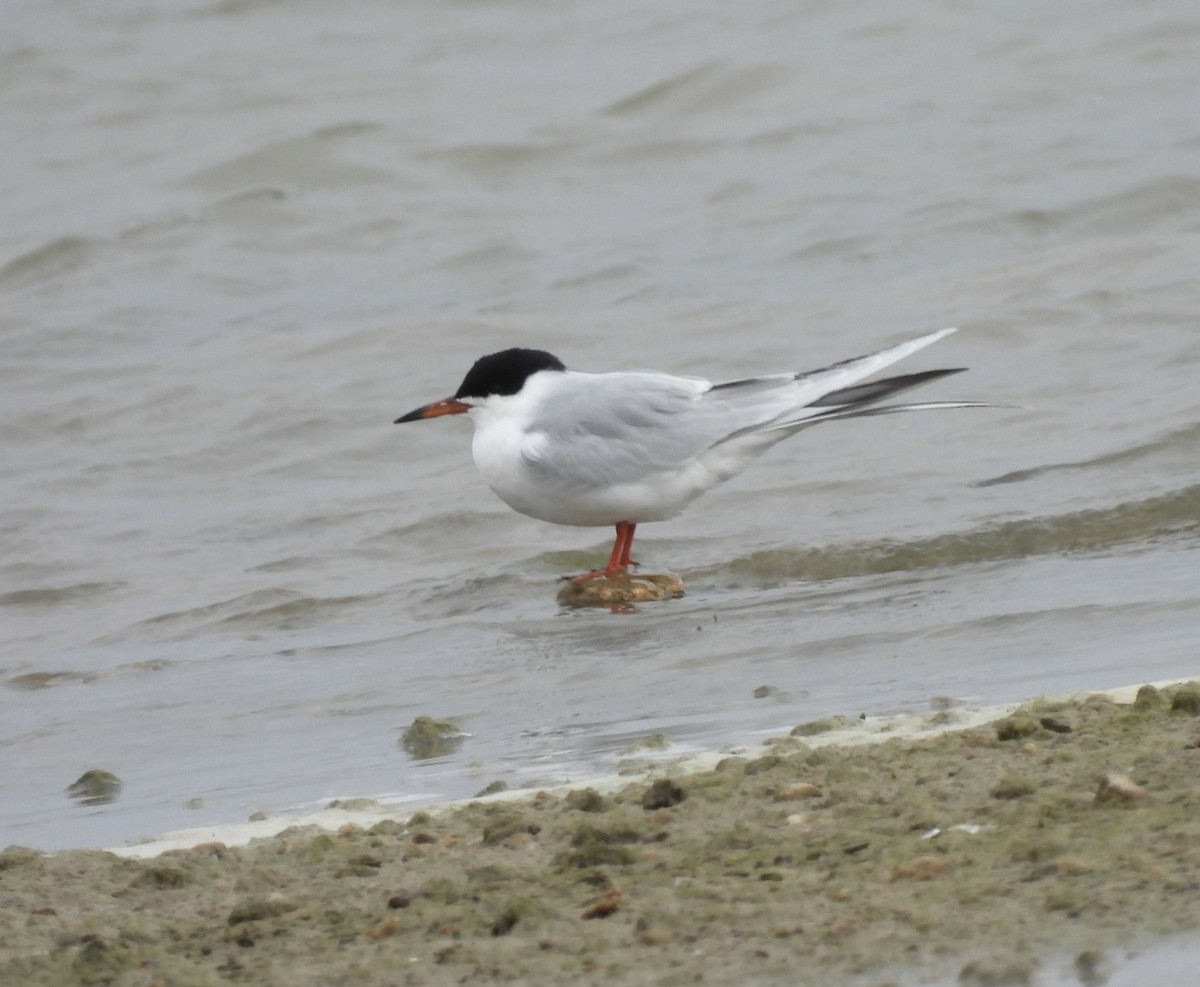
974	852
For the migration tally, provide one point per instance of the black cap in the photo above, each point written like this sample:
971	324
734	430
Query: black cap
505	372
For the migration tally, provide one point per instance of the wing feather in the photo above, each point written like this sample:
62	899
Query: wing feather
628	427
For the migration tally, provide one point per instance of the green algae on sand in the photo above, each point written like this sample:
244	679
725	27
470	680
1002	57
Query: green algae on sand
961	853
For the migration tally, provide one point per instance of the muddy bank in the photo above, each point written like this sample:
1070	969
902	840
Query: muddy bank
976	852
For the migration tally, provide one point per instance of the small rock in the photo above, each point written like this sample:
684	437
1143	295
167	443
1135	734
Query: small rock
509	916
1092	968
95	787
621	590
663	794
1120	788
604	906
429	737
362	865
507	823
1017	726
1186	699
101	961
18	856
499	785
1000	971
1149	698
586	800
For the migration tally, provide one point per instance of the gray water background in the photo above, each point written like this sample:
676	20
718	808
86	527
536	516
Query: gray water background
238	238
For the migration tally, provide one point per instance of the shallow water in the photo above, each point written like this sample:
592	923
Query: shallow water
240	238
1171	960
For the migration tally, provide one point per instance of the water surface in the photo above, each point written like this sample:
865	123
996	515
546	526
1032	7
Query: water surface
240	238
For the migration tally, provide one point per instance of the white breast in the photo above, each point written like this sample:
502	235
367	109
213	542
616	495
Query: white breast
556	452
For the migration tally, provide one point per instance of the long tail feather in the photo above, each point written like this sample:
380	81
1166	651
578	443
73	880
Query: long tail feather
860	400
892	409
877	390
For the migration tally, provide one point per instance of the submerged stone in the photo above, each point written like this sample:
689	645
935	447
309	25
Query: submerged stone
622	589
95	787
428	736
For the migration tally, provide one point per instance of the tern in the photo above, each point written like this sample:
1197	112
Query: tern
622	448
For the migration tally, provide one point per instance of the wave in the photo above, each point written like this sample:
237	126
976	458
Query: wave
1180	440
263	608
1172	514
59	256
54	596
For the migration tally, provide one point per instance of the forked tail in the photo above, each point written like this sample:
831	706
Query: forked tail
860	400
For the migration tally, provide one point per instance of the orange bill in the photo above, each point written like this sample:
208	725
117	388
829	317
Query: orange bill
450	406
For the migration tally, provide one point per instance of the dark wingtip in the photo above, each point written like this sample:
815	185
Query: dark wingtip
877	390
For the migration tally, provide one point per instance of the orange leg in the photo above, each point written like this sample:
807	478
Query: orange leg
626	561
619	561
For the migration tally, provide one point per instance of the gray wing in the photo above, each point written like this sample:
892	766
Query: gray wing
627	427
622	427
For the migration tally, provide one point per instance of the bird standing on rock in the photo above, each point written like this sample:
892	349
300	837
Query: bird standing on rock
627	447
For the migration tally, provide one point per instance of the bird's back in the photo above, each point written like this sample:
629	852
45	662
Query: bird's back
603	448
